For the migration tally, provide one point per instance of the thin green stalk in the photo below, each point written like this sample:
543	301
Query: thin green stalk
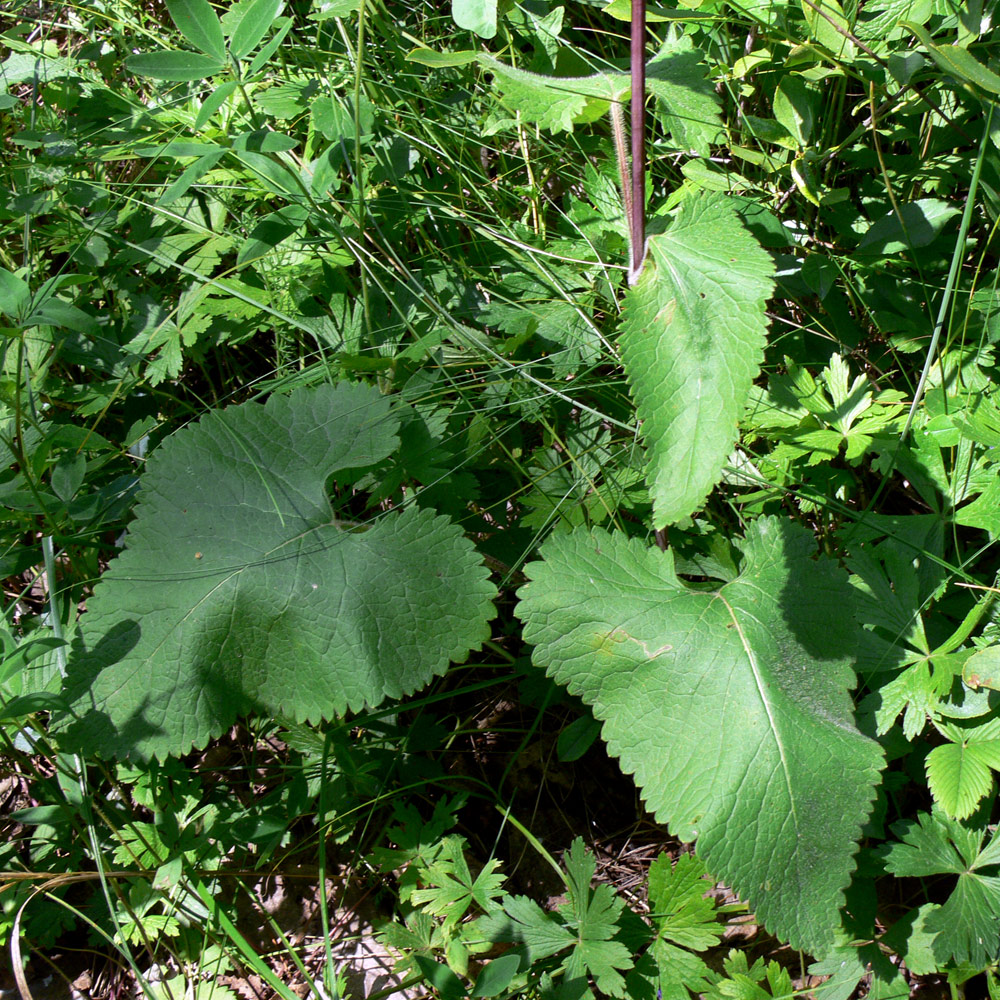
249	956
949	288
970	621
358	165
534	841
329	974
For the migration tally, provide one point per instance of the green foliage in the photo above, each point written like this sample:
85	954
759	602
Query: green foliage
479	16
728	705
355	290
760	981
235	512
584	926
692	341
686	103
685	922
590	938
966	927
958	772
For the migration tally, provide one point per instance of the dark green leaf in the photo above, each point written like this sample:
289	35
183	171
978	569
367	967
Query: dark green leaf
41	815
958	62
265	141
496	976
917	225
282	26
272	230
240	589
27	704
795	105
67	475
967	926
446	984
213	102
247	23
177	66
196	21
577	738
692	340
55	312
180	186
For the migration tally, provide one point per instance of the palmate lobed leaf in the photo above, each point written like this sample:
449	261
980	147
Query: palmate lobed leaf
240	590
692	341
681	912
966	927
585	924
729	707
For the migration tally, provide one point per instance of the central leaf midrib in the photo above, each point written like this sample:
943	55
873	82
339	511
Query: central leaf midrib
758	680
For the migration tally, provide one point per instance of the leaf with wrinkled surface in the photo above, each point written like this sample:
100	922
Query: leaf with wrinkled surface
730	707
240	589
686	102
692	341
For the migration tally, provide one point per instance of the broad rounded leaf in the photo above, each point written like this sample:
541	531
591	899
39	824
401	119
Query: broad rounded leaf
730	707
174	65
240	589
692	341
982	669
479	16
918	224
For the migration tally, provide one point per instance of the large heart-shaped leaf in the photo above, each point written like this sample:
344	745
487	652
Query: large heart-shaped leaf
241	589
730	706
692	341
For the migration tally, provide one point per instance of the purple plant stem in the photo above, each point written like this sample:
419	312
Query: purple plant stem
638	130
